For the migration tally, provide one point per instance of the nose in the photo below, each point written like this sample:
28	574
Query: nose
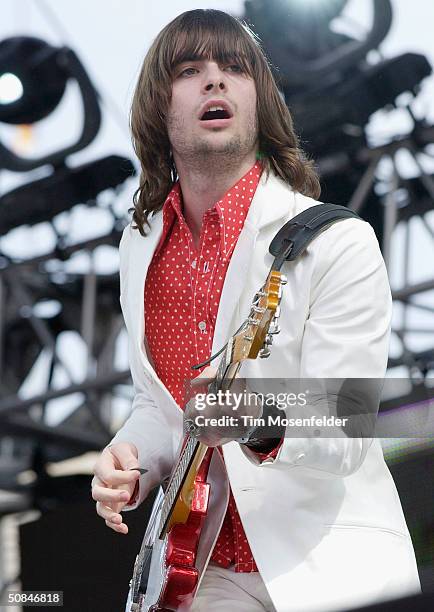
215	78
210	85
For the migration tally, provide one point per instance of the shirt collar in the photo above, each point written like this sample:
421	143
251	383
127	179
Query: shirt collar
231	210
172	208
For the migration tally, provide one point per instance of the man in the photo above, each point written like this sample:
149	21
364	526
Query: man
306	523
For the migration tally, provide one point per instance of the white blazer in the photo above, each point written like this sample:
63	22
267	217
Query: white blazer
323	519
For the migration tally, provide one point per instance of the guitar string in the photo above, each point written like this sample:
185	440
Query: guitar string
172	493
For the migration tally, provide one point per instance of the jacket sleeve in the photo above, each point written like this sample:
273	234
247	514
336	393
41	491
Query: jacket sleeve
346	339
146	426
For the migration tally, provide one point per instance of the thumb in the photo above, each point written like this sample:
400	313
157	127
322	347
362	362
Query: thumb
126	455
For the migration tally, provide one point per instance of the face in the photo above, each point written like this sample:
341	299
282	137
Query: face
193	140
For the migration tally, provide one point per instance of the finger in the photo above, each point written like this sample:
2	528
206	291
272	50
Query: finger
112	519
115	457
115	478
109	513
208	372
200	382
122	528
104	494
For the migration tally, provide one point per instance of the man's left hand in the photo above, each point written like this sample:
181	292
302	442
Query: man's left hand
228	407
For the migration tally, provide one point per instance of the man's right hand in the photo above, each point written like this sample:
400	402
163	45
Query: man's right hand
114	482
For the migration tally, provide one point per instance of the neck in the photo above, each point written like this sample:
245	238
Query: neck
203	187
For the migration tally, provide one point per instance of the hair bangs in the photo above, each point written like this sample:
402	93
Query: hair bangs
221	42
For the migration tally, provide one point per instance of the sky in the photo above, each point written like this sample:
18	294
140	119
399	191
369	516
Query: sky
111	38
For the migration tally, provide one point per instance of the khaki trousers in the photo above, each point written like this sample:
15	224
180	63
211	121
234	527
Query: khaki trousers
224	590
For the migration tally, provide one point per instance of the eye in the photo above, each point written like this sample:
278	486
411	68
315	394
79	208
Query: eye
185	71
237	68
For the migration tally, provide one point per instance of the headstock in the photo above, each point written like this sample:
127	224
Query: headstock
256	335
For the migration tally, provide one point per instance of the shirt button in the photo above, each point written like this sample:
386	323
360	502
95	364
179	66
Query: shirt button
202	325
193	264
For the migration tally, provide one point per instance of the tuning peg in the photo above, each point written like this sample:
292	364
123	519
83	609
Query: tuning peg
268	339
260	294
252	321
283	279
265	352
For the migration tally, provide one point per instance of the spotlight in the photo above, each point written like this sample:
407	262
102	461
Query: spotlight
11	88
33	78
34	69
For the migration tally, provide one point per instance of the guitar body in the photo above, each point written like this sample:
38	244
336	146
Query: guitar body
168	570
173	576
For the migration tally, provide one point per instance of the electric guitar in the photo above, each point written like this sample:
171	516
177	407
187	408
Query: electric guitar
165	576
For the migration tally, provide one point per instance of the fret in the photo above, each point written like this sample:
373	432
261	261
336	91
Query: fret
224	363
172	491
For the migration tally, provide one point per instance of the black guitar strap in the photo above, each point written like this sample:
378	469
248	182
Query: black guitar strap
295	236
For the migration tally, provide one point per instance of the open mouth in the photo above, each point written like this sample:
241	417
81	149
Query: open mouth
211	115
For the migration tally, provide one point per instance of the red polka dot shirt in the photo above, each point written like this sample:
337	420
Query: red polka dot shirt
182	295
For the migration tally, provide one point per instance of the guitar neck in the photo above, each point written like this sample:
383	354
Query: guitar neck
225	374
226	371
188	454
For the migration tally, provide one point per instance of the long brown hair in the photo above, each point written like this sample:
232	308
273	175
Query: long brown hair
211	34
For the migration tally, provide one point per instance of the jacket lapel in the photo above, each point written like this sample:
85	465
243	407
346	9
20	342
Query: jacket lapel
273	202
140	256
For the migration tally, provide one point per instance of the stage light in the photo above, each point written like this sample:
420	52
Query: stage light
38	69
33	81
11	88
